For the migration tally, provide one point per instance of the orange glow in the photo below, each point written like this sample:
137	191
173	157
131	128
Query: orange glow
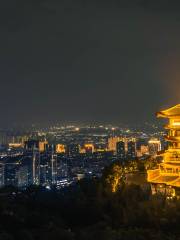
168	171
89	147
60	148
15	145
42	146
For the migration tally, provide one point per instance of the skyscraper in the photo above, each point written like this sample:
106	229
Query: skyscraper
121	150
53	167
23	176
10	173
73	150
1	174
36	167
131	149
112	142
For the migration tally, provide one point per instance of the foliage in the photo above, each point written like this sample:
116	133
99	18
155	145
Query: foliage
113	177
89	210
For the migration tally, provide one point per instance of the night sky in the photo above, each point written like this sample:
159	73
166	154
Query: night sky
86	61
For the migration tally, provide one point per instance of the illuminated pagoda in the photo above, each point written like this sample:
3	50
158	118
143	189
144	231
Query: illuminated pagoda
166	178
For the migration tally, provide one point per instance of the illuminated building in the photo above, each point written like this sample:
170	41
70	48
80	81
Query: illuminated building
73	150
31	145
23	176
131	149
53	167
100	150
112	142
124	148
3	138
166	178
45	169
154	146
62	168
42	146
60	148
10	173
36	167
82	150
15	145
1	175
144	150
121	150
80	176
89	148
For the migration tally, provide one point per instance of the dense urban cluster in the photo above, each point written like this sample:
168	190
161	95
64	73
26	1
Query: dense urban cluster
61	156
76	183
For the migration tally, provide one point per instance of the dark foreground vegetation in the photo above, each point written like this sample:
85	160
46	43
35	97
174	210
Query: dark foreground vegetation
88	211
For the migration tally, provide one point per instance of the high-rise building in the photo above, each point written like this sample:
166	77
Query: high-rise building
62	168
42	146
32	145
36	167
121	150
1	174
60	148
45	169
3	138
23	176
10	173
89	148
131	149
53	167
73	150
112	142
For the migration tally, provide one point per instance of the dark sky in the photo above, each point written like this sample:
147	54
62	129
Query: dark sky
83	61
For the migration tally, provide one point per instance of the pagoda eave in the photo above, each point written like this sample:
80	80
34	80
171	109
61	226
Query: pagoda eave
167	180
169	127
164	115
172	139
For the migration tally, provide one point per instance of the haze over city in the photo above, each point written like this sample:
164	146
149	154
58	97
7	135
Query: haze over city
90	119
84	61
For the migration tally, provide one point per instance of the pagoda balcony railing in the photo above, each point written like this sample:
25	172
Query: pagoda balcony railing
151	174
172	127
173	138
172	157
174	148
169	173
173	160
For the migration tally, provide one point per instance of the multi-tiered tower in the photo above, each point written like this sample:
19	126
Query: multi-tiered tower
166	178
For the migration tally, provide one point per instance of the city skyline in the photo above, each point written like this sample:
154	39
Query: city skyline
111	61
83	153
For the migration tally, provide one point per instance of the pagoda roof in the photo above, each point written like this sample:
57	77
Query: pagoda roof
176	182
172	112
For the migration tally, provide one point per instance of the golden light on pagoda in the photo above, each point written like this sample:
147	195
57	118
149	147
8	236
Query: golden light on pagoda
167	176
